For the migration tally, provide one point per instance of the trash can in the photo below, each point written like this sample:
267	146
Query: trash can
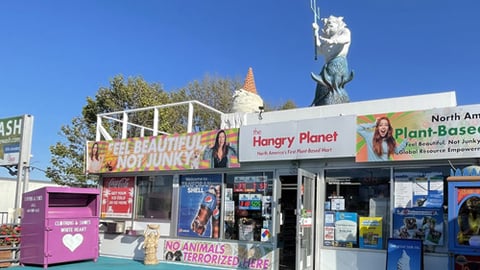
59	224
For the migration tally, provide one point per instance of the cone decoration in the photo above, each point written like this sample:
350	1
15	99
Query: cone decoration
249	84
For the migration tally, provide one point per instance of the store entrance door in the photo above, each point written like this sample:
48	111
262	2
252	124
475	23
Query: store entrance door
305	221
296	238
288	222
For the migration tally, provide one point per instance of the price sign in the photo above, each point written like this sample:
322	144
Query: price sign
244	202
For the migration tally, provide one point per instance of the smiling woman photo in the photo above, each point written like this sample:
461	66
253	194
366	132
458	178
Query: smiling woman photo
220	152
379	139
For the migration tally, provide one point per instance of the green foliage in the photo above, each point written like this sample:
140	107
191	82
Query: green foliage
289	104
212	91
67	155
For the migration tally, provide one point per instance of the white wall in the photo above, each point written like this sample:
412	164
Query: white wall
398	104
8	189
331	259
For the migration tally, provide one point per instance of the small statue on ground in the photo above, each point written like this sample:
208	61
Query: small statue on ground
333	44
151	234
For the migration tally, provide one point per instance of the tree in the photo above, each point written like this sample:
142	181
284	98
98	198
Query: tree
213	91
289	104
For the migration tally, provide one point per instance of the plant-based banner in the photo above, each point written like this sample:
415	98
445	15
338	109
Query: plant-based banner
166	152
452	132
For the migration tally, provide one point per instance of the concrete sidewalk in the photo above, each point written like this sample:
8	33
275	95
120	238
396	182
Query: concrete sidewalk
109	263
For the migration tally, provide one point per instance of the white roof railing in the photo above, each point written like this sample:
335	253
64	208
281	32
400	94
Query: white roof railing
122	118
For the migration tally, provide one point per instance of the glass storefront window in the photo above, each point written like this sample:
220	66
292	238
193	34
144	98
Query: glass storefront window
154	197
360	208
357	208
420	206
248	206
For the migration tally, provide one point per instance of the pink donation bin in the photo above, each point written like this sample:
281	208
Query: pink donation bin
59	224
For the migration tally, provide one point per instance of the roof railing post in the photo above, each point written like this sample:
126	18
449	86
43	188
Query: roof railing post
124	125
190	117
155	121
99	124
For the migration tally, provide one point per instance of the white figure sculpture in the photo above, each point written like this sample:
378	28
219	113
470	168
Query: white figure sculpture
335	38
333	43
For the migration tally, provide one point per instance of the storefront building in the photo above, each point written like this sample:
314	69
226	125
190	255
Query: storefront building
299	189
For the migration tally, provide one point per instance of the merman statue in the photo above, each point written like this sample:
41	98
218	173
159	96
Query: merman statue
333	43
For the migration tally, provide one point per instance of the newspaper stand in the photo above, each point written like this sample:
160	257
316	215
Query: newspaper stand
59	225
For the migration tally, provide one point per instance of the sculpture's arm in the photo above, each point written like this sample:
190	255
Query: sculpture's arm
341	38
316	35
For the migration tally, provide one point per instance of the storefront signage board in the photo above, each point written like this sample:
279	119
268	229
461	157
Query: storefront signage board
452	132
11	130
305	139
219	254
189	151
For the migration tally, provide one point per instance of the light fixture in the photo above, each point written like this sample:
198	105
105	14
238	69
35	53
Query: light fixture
262	109
11	171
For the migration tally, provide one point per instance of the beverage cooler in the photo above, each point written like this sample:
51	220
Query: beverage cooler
464	222
59	224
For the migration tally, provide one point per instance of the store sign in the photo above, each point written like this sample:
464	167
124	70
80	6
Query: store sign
452	132
218	254
166	152
10	138
117	197
306	139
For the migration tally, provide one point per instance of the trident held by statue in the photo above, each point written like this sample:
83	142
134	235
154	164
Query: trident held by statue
316	16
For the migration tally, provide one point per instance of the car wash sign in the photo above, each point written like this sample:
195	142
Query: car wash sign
10	138
305	139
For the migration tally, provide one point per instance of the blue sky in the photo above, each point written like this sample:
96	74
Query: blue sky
54	54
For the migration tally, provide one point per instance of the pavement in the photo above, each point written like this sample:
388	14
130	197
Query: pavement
109	263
